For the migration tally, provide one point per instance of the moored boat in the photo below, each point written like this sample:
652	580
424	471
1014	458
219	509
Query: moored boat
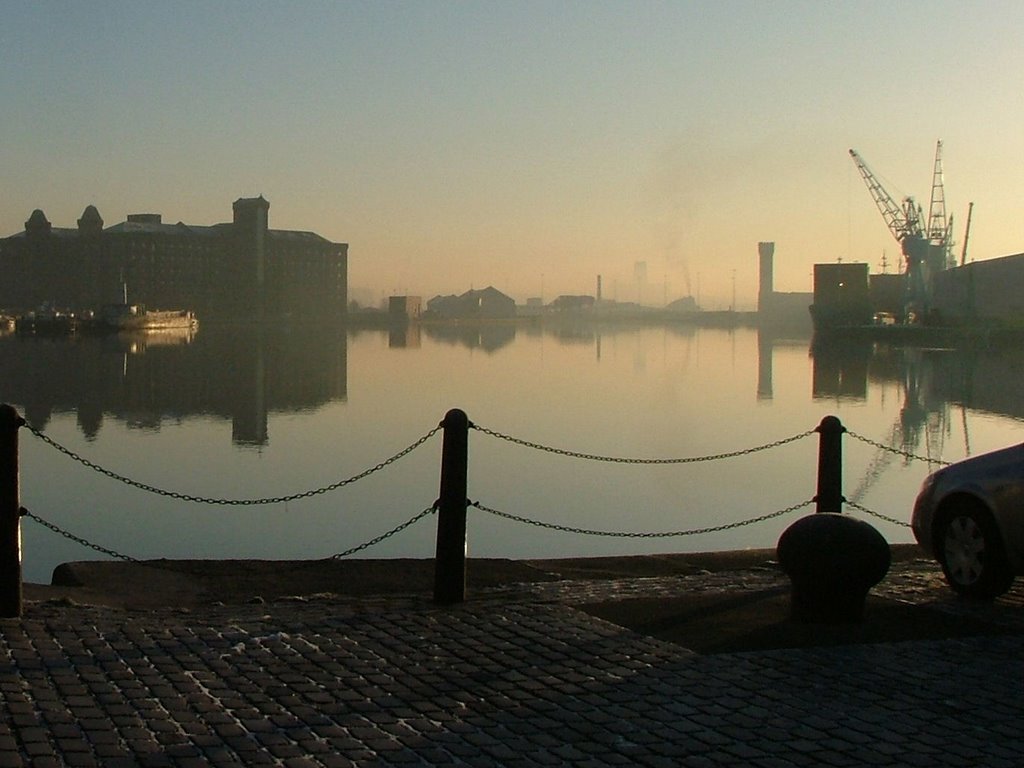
48	320
136	317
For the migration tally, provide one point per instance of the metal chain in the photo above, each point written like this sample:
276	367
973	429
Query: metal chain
620	460
233	502
879	515
112	553
905	454
633	535
398	528
78	539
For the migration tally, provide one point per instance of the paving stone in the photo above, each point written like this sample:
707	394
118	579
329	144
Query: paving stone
531	681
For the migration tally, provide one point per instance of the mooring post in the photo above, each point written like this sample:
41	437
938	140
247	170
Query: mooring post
450	559
830	465
10	515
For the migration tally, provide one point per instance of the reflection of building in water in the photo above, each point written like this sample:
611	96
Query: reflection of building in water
840	372
406	336
229	372
249	419
764	366
930	382
238	269
489	337
984	379
770	336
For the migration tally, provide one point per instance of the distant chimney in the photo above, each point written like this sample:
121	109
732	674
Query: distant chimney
766	287
598	287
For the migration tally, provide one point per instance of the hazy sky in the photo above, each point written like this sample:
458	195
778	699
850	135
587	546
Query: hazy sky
525	145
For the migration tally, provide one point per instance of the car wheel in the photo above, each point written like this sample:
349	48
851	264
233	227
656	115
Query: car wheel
971	553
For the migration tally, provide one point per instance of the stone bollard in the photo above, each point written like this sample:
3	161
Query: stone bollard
832	561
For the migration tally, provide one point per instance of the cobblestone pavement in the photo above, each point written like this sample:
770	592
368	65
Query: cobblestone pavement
512	677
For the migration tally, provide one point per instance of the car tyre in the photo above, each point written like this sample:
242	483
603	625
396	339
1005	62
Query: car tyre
971	553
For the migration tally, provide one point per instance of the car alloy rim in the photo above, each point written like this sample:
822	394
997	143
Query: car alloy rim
964	549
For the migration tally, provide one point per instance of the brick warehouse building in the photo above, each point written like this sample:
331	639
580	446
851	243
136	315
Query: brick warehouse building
231	271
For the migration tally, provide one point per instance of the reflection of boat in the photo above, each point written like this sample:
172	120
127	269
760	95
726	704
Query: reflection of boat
135	317
138	341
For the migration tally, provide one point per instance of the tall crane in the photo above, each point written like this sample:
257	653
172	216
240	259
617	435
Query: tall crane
940	230
925	244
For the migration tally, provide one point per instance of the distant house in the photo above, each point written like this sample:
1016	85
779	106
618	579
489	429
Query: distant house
572	303
488	303
534	307
685	304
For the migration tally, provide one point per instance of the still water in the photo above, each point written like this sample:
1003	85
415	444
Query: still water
244	413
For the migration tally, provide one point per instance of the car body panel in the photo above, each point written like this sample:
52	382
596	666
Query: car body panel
994	479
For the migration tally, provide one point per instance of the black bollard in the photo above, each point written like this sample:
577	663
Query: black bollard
11	592
830	465
832	562
450	558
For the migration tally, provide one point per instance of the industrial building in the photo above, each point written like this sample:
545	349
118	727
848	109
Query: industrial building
403	308
842	295
241	269
774	306
983	291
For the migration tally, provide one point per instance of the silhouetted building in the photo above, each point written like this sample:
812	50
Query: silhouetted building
982	290
888	293
685	305
240	269
488	303
404	307
567	303
774	306
841	294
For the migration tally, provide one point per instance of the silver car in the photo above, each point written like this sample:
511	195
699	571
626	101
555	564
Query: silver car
970	517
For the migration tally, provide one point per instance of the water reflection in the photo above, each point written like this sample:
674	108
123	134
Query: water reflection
768	339
932	381
230	372
324	404
405	336
244	373
490	337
